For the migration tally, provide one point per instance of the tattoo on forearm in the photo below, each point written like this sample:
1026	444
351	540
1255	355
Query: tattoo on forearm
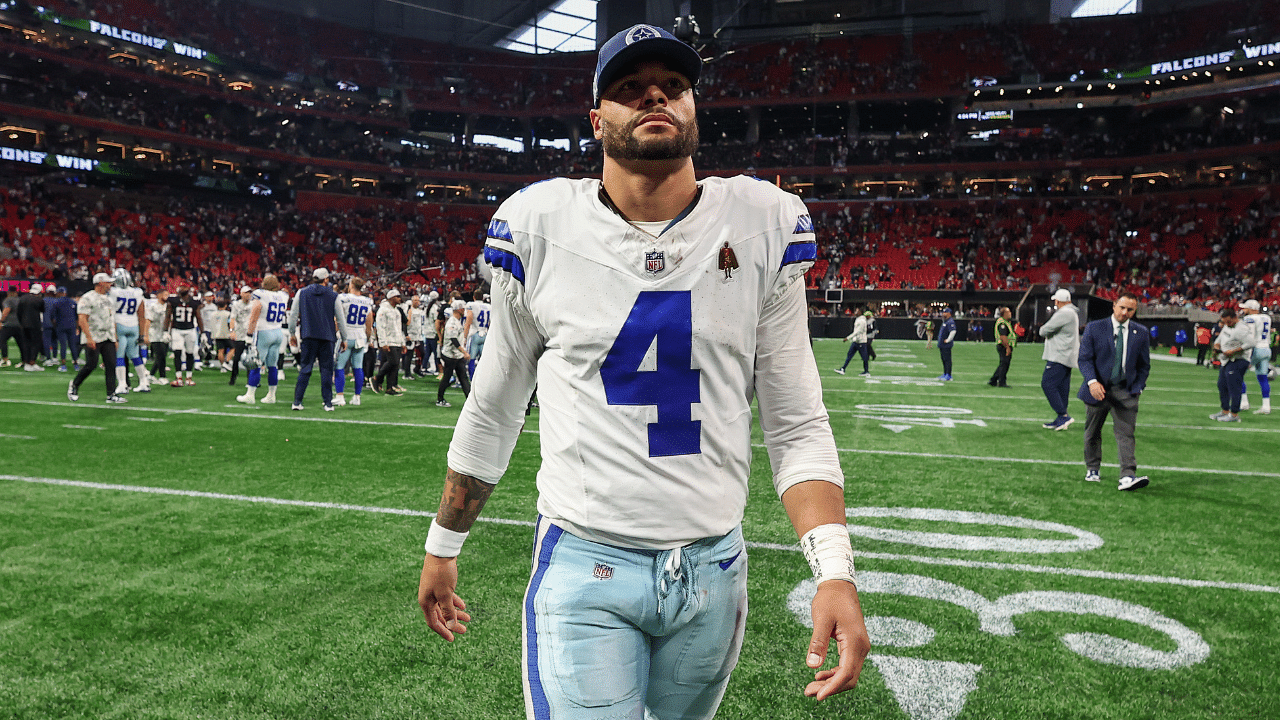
464	497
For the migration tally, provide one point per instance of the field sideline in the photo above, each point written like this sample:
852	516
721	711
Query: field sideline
183	556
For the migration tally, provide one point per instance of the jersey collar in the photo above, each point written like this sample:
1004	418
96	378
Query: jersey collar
608	202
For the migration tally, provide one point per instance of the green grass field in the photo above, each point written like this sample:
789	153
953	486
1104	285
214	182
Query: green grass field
259	563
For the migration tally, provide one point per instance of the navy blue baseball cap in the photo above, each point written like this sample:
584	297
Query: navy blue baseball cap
643	42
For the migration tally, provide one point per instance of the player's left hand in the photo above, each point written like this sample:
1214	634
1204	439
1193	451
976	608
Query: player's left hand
837	614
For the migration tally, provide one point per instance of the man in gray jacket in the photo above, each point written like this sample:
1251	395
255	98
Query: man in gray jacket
1061	349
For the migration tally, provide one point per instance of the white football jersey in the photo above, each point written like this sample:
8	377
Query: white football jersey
353	311
480	310
646	353
1260	324
126	303
275	307
156	311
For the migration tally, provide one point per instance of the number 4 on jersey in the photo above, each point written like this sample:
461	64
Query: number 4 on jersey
667	319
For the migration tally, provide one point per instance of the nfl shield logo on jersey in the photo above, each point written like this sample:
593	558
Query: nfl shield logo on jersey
603	572
655	262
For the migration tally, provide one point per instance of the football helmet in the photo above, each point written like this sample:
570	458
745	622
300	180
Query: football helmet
121	278
250	359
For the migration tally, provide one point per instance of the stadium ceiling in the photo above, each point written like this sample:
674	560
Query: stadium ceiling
475	23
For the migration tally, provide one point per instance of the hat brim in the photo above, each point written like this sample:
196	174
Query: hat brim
677	55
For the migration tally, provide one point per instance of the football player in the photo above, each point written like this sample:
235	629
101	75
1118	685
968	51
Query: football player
355	321
266	339
184	323
476	328
131	326
650	308
1260	324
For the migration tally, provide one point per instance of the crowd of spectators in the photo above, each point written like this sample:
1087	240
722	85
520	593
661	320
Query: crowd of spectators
1191	251
1185	251
177	242
305	137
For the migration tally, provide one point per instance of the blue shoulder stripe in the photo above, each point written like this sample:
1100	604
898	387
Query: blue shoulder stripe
510	262
800	252
499	229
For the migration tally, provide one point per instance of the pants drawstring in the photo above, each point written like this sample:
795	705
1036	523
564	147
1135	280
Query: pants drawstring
672	572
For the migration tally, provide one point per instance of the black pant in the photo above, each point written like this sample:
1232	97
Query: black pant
1231	384
1001	376
1203	350
406	360
390	369
159	359
68	340
1056	383
31	340
7	332
945	353
455	367
370	363
315	349
235	360
856	348
107	351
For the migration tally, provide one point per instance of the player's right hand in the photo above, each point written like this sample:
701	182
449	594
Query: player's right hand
443	609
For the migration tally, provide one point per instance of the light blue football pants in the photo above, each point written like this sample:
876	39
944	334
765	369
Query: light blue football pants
613	633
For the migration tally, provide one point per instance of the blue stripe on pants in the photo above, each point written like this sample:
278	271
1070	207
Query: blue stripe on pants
537	695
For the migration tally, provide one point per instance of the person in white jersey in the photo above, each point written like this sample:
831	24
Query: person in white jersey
129	305
1259	323
476	328
240	308
355	323
648	308
266	340
157	308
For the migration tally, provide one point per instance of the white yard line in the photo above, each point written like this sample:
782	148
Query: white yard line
890	557
1217	426
934	392
83	427
1033	461
296	418
214	414
17	437
141	419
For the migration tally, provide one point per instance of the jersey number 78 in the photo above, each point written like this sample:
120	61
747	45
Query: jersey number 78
664	317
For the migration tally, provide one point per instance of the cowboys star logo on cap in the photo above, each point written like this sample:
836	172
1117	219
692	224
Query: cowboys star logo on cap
642	32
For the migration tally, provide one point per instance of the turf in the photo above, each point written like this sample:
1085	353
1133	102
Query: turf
116	603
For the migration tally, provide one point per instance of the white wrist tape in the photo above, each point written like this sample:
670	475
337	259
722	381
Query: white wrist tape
829	552
443	542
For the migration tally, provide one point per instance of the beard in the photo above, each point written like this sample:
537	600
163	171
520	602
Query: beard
621	143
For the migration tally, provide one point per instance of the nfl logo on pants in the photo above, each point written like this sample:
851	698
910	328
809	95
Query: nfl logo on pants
654	262
603	572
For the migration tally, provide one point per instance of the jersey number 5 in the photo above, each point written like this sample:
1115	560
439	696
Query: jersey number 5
664	319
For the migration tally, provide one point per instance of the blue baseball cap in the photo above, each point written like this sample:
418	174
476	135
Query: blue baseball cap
946	310
643	42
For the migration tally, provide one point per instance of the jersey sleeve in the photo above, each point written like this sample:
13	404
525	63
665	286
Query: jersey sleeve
507	261
796	426
490	423
800	245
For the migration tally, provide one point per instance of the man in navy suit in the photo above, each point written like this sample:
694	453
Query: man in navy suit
1115	360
